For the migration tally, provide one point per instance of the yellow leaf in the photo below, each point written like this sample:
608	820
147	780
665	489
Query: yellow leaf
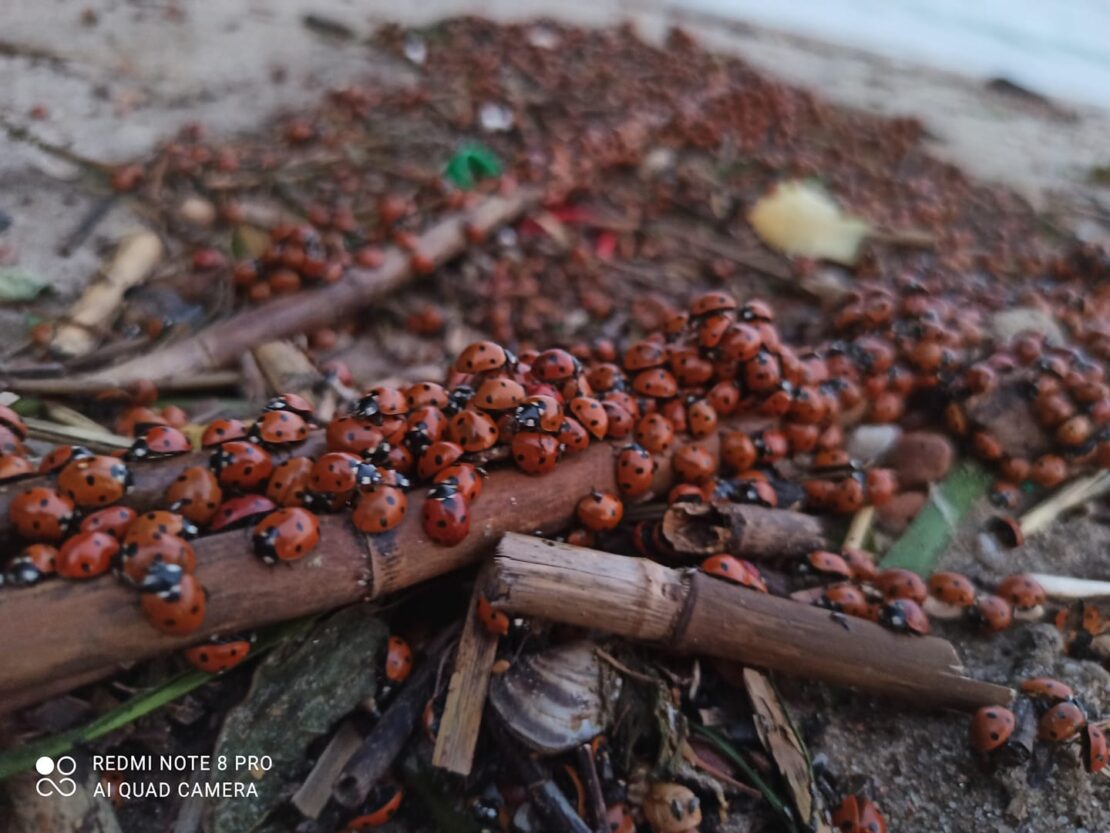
799	219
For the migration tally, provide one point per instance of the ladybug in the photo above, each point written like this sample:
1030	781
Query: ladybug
857	814
41	514
713	301
535	453
634	471
381	402
591	414
334	473
221	431
620	420
694	463
862	563
481	357
13	422
599	511
398	660
701	418
846	598
1094	749
380	509
685	493
990	728
1049	471
159	441
32	565
172	600
656	382
425	425
437	457
499	395
1025	594
348	433
241	465
494	621
13	466
158	523
94	481
904	616
712	330
277	428
735	570
115	521
292	402
138	556
643	355
741	343
1061	722
991	613
950	594
897	583
1046	688
380	807
465	477
555	365
825	563
287	535
86	555
217	656
288	485
881	485
572	436
762	374
195	493
446	517
539	413
240	511
655	433
426	394
738	450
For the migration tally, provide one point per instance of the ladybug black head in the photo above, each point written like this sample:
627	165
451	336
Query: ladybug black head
443	491
264	544
367	407
164	579
21	573
138	450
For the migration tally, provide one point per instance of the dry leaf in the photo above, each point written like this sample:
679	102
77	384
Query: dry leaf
799	219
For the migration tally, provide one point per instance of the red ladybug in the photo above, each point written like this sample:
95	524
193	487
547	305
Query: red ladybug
333	473
1062	722
535	453
94	481
196	494
398	660
240	511
1046	688
572	436
857	814
846	598
735	570
599	511
495	622
1023	592
293	403
904	616
481	357
634	471
32	565
694	464
217	656
59	456
897	583
464	476
13	466
172	600
472	431
655	433
287	535
826	563
992	613
242	465
380	509
446	516
591	414
276	428
41	514
348	433
1094	749
990	728
220	431
436	457
380	806
159	441
158	523
86	555
115	521
555	365
138	556
288	485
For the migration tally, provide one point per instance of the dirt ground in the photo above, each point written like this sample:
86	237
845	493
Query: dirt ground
116	77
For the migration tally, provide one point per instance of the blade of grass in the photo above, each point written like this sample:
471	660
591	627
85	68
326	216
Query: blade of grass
927	536
22	758
733	754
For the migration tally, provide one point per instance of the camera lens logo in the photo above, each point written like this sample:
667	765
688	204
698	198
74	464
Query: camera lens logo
64	767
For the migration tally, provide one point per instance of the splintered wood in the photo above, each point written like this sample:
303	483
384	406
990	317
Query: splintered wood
691	612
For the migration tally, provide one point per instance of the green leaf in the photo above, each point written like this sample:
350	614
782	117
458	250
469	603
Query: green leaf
927	537
472	163
297	696
20	285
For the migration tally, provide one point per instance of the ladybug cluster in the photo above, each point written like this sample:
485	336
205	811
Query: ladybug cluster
296	256
1061	719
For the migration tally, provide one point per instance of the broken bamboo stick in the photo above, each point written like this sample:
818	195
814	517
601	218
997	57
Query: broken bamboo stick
224	341
103	626
701	529
691	612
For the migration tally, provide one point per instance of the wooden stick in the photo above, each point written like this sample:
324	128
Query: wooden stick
691	612
1074	494
741	529
102	626
56	432
466	692
860	528
595	798
315	791
83	386
225	341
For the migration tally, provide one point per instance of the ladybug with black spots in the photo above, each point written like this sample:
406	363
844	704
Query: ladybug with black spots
634	470
173	601
278	428
599	511
41	514
33	564
218	655
240	511
159	441
286	535
380	509
446	515
95	481
241	465
495	622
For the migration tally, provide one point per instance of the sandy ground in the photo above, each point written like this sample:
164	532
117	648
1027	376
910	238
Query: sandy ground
120	76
